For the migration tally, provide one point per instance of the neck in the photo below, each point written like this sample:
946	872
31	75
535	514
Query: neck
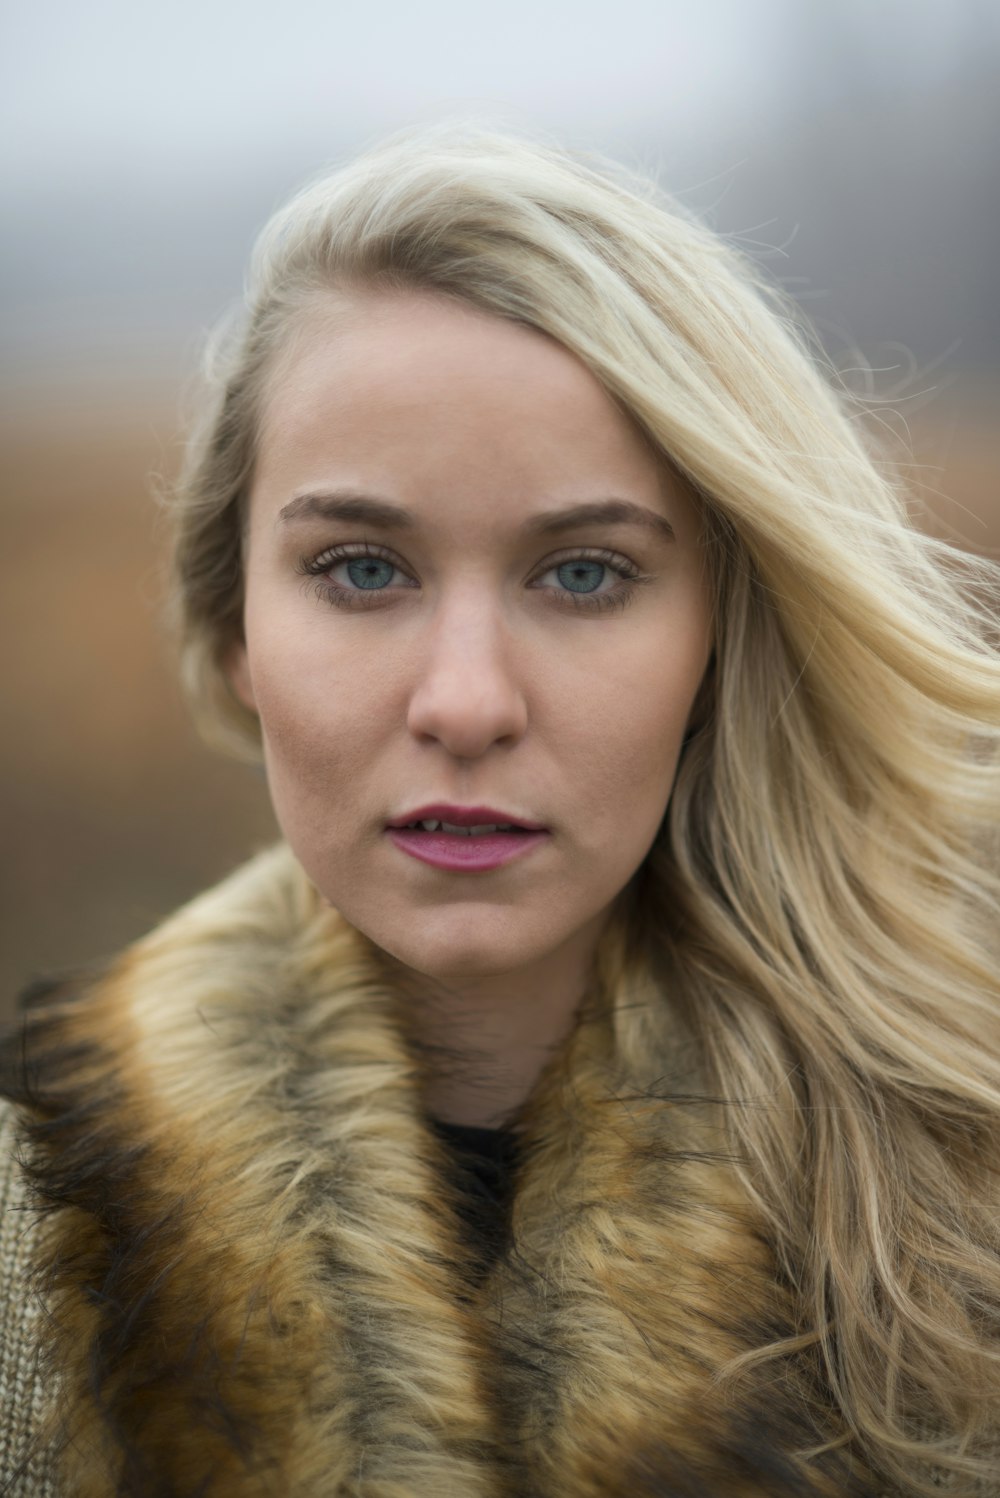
484	1059
486	1042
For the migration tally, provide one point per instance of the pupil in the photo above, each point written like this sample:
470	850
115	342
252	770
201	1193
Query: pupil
364	572
581	577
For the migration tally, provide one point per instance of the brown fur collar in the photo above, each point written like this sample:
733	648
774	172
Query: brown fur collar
255	1271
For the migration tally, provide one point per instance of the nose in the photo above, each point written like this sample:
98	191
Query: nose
467	696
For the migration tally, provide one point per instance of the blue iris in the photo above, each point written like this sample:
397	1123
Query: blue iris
581	576
365	572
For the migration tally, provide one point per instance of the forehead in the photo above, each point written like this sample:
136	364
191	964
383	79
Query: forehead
427	399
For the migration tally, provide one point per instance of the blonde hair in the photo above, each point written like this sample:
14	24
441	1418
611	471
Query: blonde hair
824	892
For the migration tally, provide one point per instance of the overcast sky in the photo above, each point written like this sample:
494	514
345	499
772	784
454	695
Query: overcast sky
114	84
144	144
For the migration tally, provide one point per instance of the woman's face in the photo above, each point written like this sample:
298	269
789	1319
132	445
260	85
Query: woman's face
524	632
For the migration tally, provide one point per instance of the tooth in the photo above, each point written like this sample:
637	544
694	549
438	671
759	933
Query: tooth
432	824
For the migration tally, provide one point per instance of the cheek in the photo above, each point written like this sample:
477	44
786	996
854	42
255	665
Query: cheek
630	730
320	715
630	765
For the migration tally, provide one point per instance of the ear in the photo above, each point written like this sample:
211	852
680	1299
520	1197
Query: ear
236	665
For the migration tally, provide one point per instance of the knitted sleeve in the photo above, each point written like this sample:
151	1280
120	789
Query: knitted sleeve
25	1464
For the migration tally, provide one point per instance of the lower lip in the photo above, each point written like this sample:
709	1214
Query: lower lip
449	850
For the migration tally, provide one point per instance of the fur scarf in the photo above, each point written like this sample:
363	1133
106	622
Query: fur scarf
254	1269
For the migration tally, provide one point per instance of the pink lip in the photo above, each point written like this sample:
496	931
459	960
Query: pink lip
464	816
448	850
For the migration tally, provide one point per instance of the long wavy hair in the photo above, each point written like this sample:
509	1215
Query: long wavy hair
825	890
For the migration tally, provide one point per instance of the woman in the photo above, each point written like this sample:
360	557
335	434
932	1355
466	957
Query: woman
599	1092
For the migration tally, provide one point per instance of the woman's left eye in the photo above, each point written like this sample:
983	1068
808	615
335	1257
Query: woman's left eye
584	579
581	580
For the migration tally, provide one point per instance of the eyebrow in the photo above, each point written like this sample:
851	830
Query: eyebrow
367	508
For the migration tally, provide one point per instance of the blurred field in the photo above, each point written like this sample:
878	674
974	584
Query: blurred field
112	811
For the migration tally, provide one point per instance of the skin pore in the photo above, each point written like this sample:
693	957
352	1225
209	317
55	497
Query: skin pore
470	657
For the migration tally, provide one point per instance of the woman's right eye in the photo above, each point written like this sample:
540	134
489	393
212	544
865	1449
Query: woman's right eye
366	572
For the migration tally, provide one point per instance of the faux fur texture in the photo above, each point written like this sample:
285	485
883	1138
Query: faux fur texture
256	1273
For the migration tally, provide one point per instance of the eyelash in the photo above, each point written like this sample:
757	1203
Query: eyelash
354	598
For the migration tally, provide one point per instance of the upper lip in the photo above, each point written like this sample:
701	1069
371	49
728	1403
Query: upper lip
465	816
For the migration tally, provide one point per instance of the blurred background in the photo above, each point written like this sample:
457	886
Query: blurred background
850	145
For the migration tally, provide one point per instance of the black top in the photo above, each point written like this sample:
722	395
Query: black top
484	1166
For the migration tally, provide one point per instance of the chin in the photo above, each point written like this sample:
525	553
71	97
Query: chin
454	963
454	951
